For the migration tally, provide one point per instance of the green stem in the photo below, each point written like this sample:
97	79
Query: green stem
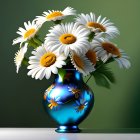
33	44
37	41
91	75
88	79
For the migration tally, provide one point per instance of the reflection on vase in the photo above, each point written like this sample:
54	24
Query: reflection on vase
68	101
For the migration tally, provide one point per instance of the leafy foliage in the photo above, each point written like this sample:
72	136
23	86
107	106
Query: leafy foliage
62	73
91	36
103	76
25	61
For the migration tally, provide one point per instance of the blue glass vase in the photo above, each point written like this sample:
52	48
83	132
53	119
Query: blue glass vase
68	101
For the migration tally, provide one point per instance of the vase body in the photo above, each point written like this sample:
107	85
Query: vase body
68	101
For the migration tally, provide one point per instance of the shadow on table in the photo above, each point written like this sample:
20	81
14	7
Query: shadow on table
134	130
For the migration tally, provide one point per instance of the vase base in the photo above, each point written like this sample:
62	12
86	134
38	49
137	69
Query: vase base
68	129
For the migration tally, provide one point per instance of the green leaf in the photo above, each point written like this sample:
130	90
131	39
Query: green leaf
101	80
110	60
91	36
107	73
62	73
103	76
99	64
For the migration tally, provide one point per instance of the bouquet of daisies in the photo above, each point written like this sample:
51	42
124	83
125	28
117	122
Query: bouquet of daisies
84	45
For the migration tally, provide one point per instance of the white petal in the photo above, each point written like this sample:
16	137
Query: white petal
54	69
17	40
47	73
39	73
26	25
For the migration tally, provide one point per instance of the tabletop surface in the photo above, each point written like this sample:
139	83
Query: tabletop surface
50	134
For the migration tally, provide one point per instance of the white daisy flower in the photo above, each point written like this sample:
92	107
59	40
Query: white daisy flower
81	63
91	55
103	53
19	56
123	60
105	50
66	37
44	62
27	33
98	25
55	15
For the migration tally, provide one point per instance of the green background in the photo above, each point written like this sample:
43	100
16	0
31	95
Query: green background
21	97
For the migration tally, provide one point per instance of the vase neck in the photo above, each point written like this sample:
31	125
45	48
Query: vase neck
69	76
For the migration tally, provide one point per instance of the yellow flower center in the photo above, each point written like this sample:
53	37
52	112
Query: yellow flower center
91	55
79	63
52	104
29	33
67	38
54	14
111	48
96	25
48	59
